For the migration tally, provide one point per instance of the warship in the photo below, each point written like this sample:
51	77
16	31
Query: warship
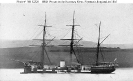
41	67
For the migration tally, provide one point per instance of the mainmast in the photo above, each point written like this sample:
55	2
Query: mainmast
72	41
98	46
44	43
72	38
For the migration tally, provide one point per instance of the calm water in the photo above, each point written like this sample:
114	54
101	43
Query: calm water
125	74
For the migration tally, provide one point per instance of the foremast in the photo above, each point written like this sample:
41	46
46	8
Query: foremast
44	43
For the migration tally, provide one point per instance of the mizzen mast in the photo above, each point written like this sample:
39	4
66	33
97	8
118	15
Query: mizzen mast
98	46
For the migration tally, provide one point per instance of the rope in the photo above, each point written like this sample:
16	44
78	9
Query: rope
102	54
47	55
78	53
76	56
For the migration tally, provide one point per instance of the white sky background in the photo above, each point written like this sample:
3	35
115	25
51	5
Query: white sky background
20	21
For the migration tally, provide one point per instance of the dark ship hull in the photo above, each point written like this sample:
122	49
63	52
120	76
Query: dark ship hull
102	69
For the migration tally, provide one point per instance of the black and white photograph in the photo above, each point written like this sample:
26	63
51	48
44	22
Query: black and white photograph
66	40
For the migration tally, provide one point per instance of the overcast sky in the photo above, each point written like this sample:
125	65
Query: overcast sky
20	21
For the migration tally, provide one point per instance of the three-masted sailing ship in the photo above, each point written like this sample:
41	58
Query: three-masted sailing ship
41	67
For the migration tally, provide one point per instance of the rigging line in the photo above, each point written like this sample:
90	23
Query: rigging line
82	56
86	36
28	49
83	34
76	56
77	42
95	45
62	22
31	37
104	39
77	34
50	41
49	34
59	36
17	58
57	28
36	54
17	61
29	32
62	29
67	33
35	32
26	42
77	22
83	28
31	42
65	42
38	34
25	54
78	52
76	46
102	54
47	56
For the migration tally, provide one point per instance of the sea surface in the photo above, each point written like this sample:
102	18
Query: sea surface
121	74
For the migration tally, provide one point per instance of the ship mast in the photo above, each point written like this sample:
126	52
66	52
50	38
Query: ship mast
72	39
44	43
98	46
